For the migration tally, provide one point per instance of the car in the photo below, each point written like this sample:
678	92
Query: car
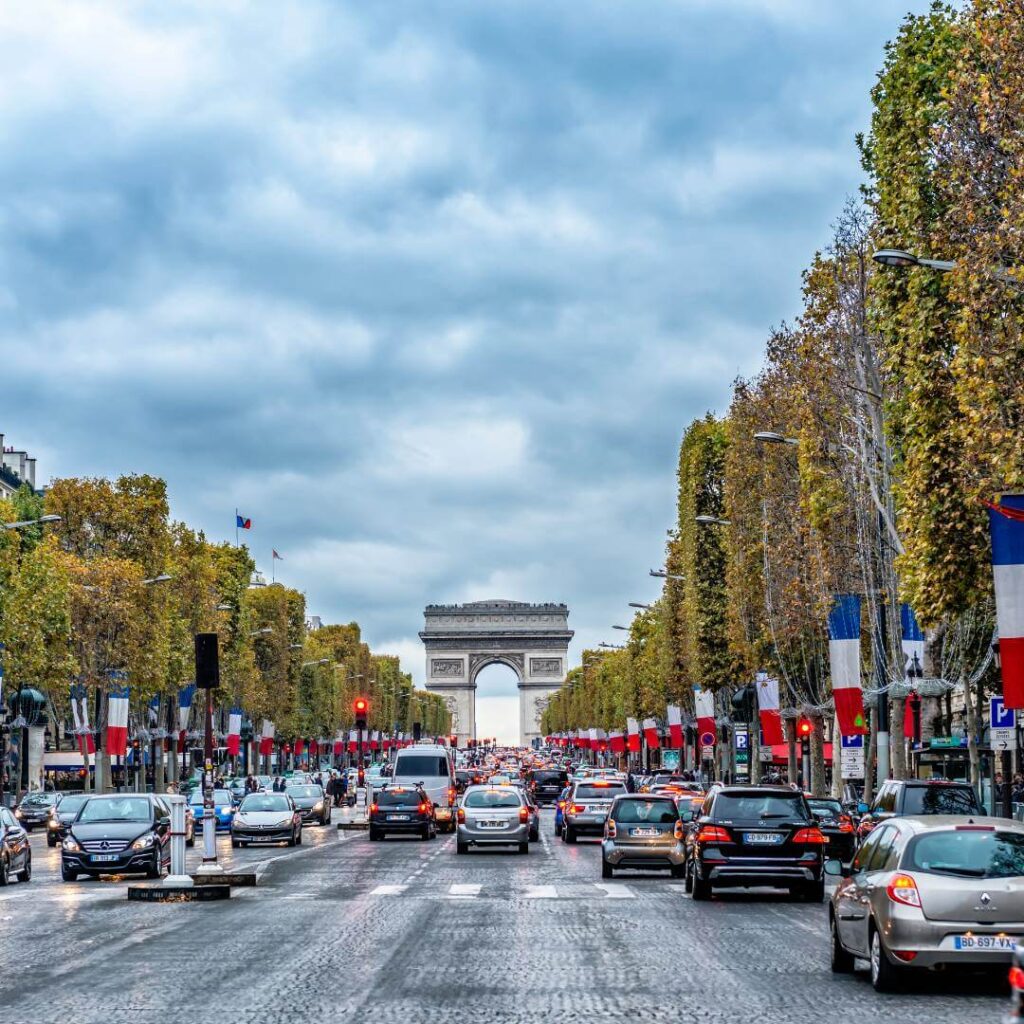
61	816
236	787
402	810
587	808
34	809
15	851
547	784
899	797
643	831
1016	987
534	810
756	835
935	891
493	816
429	766
563	799
118	833
836	825
223	808
267	818
312	802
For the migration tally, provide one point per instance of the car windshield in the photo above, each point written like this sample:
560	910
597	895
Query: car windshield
422	766
548	778
304	792
265	802
645	812
492	798
759	805
595	791
72	804
395	797
220	796
940	800
825	808
37	799
124	808
970	852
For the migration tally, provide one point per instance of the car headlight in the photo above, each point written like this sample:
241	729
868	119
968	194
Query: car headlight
319	806
71	844
144	841
284	823
225	810
19	813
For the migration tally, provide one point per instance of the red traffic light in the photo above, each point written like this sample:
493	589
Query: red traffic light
362	705
804	727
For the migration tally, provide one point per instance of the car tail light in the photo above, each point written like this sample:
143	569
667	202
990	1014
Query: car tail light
810	835
561	805
845	825
461	816
451	797
609	829
678	830
713	834
903	889
524	815
577	809
1017	978
424	808
374	808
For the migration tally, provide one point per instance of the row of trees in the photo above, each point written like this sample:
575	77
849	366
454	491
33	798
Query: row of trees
116	589
897	388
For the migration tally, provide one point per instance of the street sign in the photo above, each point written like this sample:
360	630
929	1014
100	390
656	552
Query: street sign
742	739
741	753
707	739
670	759
1003	725
851	758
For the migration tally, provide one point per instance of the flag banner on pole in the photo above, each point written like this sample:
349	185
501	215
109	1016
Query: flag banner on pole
80	712
153	708
374	740
275	556
912	641
185	698
353	741
704	702
651	733
243	523
117	721
1007	532
675	726
768	709
595	742
234	738
616	742
267	737
300	746
339	744
632	735
844	655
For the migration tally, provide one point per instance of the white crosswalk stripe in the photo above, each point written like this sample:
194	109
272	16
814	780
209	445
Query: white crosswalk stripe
389	890
466	890
616	891
541	892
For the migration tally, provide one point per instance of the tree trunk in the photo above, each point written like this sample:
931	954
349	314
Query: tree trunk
754	752
157	757
869	757
818	756
791	760
973	717
102	771
837	759
897	744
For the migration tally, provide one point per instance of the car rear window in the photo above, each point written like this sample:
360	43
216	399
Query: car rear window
759	805
968	853
549	778
593	791
492	798
825	808
396	797
422	766
645	812
940	800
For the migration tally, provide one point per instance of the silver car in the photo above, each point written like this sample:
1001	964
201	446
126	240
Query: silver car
493	816
926	892
587	807
643	831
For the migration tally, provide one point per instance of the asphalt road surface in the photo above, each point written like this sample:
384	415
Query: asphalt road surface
342	929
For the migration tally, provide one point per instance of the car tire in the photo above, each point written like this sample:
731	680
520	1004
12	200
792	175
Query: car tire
235	844
885	977
570	834
51	840
524	847
678	870
67	875
298	838
425	834
374	835
153	871
607	871
814	892
699	888
688	878
25	874
535	835
4	872
461	847
558	829
840	959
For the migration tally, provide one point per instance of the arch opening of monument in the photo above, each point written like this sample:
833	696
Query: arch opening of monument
497	702
462	639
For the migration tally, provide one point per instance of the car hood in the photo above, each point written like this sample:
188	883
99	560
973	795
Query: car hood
111	830
262	817
306	802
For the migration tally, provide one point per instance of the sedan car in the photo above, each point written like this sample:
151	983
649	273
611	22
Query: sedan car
643	831
120	833
34	809
15	852
61	816
223	809
493	816
311	802
267	818
587	808
836	826
402	810
929	892
563	799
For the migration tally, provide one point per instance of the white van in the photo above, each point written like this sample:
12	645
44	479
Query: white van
430	766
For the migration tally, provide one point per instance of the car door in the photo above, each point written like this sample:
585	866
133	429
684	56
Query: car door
867	882
17	840
850	902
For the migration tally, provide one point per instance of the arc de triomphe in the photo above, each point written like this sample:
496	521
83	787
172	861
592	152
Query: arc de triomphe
461	639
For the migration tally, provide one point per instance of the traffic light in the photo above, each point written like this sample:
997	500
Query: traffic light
803	734
361	707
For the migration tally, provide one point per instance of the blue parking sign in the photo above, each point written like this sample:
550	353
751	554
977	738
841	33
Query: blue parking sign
1000	717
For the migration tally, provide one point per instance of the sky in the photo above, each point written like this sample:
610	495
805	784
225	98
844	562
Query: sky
429	291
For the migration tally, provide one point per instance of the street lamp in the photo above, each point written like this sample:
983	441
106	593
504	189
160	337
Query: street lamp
612	647
625	629
319	661
638	604
771	437
262	632
225	607
663	575
162	578
902	258
713	521
30	522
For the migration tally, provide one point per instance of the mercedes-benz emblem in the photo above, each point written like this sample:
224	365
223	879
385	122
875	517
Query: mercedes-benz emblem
104	845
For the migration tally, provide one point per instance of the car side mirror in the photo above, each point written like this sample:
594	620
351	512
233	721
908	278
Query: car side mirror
163	824
836	868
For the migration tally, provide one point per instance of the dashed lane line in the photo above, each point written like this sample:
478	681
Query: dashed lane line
541	892
616	891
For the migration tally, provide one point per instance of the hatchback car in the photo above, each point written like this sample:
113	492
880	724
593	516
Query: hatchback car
587	808
493	816
34	809
267	818
223	808
897	798
15	851
836	826
547	783
61	816
643	831
119	833
927	892
751	836
312	802
401	810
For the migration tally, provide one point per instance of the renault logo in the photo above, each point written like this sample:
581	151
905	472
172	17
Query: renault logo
985	899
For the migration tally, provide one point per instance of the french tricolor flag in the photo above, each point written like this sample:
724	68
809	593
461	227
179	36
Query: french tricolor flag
844	655
80	711
675	726
267	737
1006	524
300	746
704	703
117	721
768	709
651	733
616	742
353	741
185	697
912	641
633	735
339	744
234	739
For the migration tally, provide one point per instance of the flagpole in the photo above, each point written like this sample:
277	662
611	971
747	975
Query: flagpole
236	527
273	569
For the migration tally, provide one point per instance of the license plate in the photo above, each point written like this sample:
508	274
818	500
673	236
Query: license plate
441	813
398	817
643	831
492	824
997	942
103	858
763	838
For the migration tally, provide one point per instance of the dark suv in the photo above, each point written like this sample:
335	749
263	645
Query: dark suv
547	783
897	798
402	809
756	835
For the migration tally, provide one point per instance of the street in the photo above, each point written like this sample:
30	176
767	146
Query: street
403	930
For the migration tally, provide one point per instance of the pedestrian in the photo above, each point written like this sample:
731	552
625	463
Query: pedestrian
343	788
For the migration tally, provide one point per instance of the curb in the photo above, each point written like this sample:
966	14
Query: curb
165	894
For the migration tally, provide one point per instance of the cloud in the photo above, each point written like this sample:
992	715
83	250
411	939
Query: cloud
430	291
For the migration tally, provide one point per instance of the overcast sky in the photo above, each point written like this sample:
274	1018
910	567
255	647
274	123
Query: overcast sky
427	290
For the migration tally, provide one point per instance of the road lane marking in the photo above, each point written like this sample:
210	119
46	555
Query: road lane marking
465	890
616	891
389	890
541	892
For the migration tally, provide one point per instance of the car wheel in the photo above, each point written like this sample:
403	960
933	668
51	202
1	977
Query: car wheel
558	829
678	870
298	838
67	875
841	960
154	870
4	869
235	844
51	839
607	871
700	889
374	835
461	847
570	834
688	877
884	976
524	847
425	834
814	892
535	835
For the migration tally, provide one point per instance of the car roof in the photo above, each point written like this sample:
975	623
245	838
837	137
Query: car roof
935	822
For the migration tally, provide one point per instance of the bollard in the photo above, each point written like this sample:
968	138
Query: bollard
178	878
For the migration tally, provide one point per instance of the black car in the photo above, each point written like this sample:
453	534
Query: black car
900	797
836	826
402	809
15	852
547	784
120	833
757	835
34	809
311	802
61	816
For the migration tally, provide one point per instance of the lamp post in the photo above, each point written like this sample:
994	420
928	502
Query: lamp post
23	523
1005	766
664	574
712	521
771	437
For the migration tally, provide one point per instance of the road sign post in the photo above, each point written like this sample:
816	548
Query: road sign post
1003	740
